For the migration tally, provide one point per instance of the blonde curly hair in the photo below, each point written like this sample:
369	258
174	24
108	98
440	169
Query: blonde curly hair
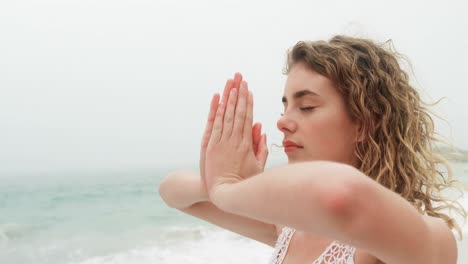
398	150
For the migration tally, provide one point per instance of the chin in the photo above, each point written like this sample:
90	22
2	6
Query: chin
304	159
297	160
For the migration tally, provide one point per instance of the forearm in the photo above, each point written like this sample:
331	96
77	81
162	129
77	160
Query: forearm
182	189
335	201
311	196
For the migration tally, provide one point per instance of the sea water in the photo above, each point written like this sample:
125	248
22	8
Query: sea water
113	218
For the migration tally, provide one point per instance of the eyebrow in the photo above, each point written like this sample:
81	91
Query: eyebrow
300	94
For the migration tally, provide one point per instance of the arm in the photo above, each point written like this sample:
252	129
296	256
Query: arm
329	199
338	201
186	191
182	190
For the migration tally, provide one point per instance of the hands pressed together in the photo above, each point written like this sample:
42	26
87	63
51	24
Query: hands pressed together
232	149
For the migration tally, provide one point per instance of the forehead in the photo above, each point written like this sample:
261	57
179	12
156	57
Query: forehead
300	78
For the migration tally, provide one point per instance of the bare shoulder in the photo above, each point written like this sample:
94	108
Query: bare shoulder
443	240
440	229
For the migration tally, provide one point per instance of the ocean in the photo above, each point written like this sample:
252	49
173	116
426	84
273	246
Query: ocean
115	218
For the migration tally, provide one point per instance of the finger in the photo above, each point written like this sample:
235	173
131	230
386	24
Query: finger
211	117
248	117
256	136
229	115
241	108
227	89
237	80
263	151
206	136
217	124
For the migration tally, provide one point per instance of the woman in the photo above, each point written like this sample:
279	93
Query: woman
362	180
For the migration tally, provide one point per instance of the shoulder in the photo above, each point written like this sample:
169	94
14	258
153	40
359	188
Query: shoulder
443	240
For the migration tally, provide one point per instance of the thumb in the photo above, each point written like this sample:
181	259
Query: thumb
262	152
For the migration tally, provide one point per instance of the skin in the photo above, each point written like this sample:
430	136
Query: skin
317	120
331	198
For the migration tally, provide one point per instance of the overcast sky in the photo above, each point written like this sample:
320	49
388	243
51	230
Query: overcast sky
126	84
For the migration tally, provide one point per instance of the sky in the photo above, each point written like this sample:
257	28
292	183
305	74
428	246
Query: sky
126	84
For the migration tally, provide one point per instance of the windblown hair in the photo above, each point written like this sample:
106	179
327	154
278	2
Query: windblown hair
398	150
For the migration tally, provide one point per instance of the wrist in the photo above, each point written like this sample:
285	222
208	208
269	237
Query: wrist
222	195
203	194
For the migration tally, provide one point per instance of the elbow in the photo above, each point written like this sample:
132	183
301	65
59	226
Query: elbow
181	189
341	201
168	189
164	190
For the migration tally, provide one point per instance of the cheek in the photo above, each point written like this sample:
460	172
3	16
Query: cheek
331	136
331	123
341	131
339	123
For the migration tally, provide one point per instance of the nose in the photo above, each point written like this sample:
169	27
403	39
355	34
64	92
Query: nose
286	124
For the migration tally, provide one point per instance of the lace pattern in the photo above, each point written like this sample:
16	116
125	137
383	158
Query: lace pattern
335	253
282	245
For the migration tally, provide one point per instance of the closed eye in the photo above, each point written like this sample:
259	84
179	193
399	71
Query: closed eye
304	109
309	108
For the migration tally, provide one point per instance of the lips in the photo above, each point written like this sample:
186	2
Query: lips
288	143
290	146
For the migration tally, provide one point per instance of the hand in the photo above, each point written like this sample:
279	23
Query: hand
209	124
232	153
258	140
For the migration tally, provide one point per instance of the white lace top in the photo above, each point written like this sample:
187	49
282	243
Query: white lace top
335	253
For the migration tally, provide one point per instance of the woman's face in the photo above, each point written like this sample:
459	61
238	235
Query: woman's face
315	122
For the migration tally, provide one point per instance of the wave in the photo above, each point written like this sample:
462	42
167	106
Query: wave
194	245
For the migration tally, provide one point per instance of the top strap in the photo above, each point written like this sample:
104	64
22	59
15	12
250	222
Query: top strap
337	253
282	245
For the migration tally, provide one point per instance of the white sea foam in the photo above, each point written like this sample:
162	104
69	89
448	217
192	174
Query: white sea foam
197	245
